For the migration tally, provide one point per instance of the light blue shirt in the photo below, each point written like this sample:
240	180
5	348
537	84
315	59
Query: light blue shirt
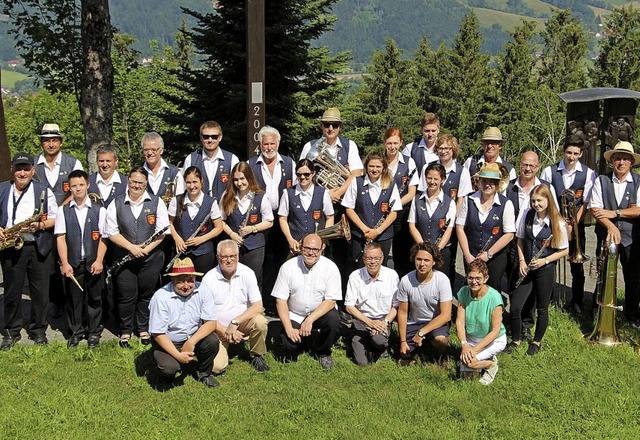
177	316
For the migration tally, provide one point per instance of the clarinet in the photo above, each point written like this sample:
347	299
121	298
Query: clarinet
195	233
130	257
245	220
545	243
406	182
446	225
381	221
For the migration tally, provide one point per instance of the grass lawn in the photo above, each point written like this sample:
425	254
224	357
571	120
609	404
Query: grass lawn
488	17
10	77
571	389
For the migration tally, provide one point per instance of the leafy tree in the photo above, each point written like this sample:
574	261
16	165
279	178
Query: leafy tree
618	63
67	44
300	80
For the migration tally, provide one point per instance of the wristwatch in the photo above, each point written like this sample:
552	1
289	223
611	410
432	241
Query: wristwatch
422	335
489	255
235	322
618	213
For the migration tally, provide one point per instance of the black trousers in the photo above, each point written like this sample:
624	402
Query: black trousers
328	327
628	256
540	284
402	242
136	282
16	264
253	258
528	313
203	263
206	350
275	253
577	269
497	268
84	309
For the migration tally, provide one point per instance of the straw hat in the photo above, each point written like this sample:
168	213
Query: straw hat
495	171
331	115
622	147
492	134
50	131
183	267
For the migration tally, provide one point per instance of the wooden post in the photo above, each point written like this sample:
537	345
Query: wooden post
255	74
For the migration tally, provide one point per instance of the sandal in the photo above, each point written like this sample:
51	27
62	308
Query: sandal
124	340
145	338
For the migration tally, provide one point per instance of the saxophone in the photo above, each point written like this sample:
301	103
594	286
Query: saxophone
12	237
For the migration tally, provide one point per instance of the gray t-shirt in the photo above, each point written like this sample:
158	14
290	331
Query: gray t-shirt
424	299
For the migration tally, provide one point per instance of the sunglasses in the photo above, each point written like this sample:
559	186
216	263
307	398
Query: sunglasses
305	175
210	136
331	124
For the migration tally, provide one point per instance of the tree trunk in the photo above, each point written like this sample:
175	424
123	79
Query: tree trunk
96	84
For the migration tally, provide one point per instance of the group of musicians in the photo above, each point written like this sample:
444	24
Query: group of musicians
107	232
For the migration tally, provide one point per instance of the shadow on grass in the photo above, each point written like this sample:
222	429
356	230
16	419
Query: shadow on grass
145	366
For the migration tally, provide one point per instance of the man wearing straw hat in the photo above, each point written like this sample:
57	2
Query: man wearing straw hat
492	142
182	322
613	203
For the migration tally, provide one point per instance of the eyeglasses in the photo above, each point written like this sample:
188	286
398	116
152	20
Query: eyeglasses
136	183
311	250
210	136
372	258
331	124
150	150
228	257
305	175
528	165
621	159
474	280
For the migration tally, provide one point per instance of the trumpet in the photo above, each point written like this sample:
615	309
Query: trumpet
545	244
569	212
338	230
169	193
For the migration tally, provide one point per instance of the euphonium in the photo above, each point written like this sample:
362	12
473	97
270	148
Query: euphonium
569	212
332	174
605	331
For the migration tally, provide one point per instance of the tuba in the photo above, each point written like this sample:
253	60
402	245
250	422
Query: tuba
331	173
169	193
569	212
605	331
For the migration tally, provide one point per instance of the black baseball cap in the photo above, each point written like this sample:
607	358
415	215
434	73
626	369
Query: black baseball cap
22	159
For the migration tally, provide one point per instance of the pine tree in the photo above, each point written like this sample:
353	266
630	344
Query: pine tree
300	80
618	63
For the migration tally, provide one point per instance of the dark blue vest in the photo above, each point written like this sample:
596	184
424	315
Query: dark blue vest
430	228
303	222
251	241
451	184
286	180
136	230
223	174
371	213
75	237
628	227
532	245
417	154
578	185
117	189
44	239
402	174
478	234
61	189
185	226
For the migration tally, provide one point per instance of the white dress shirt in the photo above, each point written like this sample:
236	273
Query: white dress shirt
374	298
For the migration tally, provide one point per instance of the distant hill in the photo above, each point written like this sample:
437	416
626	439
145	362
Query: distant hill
362	25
